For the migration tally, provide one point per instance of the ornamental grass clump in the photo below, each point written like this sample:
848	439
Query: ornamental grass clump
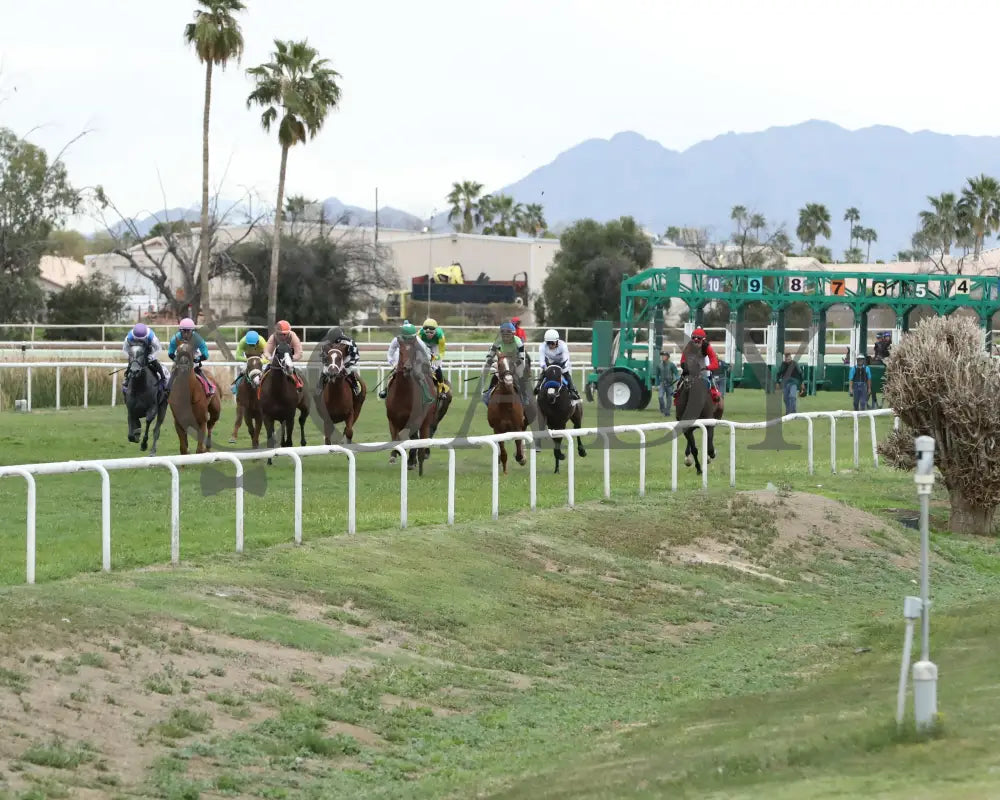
941	383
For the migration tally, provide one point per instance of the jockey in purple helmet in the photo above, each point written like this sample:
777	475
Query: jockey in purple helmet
140	334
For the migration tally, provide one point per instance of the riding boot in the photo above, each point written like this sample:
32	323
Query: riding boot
385	391
355	384
572	389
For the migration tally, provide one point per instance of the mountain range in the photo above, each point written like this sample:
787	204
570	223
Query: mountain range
885	172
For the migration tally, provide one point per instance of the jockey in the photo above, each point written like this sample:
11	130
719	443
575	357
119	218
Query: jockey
186	333
513	347
432	336
141	334
408	332
353	360
711	361
283	334
518	330
554	351
249	345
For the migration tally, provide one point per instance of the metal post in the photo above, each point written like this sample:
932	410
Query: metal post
924	671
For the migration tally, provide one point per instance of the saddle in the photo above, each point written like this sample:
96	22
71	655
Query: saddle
206	384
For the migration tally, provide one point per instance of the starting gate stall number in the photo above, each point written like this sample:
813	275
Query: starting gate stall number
838	286
920	290
962	286
879	288
713	283
755	285
796	284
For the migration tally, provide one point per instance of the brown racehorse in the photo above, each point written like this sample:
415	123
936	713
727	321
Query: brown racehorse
247	404
694	401
411	401
338	401
556	408
190	406
504	412
280	396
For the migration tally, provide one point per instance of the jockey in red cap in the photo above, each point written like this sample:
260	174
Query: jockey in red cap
711	363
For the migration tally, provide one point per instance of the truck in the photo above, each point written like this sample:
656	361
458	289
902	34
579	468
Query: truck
450	286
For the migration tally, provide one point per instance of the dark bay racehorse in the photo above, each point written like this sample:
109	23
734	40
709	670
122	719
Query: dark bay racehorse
556	408
411	403
280	396
337	401
247	403
694	401
504	411
191	406
145	398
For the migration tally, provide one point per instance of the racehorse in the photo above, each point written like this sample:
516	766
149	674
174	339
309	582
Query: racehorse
556	407
194	404
338	403
280	396
247	403
145	398
410	403
504	410
694	401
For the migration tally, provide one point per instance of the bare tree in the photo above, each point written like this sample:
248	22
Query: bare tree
752	245
941	383
174	267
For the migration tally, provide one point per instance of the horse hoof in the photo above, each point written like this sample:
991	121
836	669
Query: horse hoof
520	460
582	453
143	446
232	440
411	467
688	461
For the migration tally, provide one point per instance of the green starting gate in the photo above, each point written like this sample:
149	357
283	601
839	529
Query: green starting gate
624	373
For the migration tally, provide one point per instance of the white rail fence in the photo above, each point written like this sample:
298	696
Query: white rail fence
171	463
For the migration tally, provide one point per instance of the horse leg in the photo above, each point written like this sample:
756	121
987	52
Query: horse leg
214	411
145	436
503	457
132	421
181	436
519	455
557	451
239	420
328	431
694	451
203	436
254	424
578	423
161	413
302	424
711	446
349	428
393	436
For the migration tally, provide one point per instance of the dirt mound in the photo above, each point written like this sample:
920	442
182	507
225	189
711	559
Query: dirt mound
771	529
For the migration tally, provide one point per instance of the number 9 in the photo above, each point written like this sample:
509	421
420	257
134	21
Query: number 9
754	285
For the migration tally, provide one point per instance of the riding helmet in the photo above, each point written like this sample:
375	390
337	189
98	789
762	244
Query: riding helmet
551	335
283	326
430	323
408	331
140	331
187	324
252	338
507	327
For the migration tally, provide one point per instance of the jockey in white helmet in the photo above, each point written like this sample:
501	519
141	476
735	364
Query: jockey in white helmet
554	351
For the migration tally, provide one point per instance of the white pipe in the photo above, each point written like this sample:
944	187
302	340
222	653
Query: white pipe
642	463
856	460
607	464
175	513
871	420
30	545
451	485
403	484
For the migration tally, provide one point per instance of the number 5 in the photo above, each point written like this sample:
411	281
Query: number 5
920	290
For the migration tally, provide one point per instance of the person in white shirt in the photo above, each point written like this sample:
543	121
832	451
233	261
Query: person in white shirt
553	350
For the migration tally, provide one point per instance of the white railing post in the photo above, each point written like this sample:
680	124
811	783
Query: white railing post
704	454
642	462
809	434
352	491
239	497
854	417
451	485
607	463
29	539
175	513
298	493
532	472
403	484
871	419
495	449
114	389
570	468
673	460
732	454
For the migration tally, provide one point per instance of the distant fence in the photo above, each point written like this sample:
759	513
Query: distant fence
171	463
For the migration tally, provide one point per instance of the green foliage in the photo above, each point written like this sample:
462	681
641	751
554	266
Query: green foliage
321	279
465	206
584	283
215	34
67	244
35	197
814	221
86	299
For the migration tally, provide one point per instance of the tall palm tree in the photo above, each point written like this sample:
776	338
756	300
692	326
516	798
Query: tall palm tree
297	89
944	224
814	221
533	219
464	199
980	207
868	235
507	213
217	39
852	216
757	223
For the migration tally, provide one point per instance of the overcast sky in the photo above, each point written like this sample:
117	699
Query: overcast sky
441	90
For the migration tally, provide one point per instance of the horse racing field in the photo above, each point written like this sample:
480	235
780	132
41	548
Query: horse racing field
731	644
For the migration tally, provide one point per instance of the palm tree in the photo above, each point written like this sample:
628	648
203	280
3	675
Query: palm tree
533	219
814	221
464	198
853	255
868	235
944	223
297	89
507	213
852	216
980	207
757	222
217	39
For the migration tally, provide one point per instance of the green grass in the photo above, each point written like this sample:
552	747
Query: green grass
69	505
557	654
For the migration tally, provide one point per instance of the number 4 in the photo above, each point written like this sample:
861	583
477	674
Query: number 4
962	286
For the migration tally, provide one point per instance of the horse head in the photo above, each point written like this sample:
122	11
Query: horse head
254	369
552	381
138	357
282	359
408	357
334	358
505	374
184	356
